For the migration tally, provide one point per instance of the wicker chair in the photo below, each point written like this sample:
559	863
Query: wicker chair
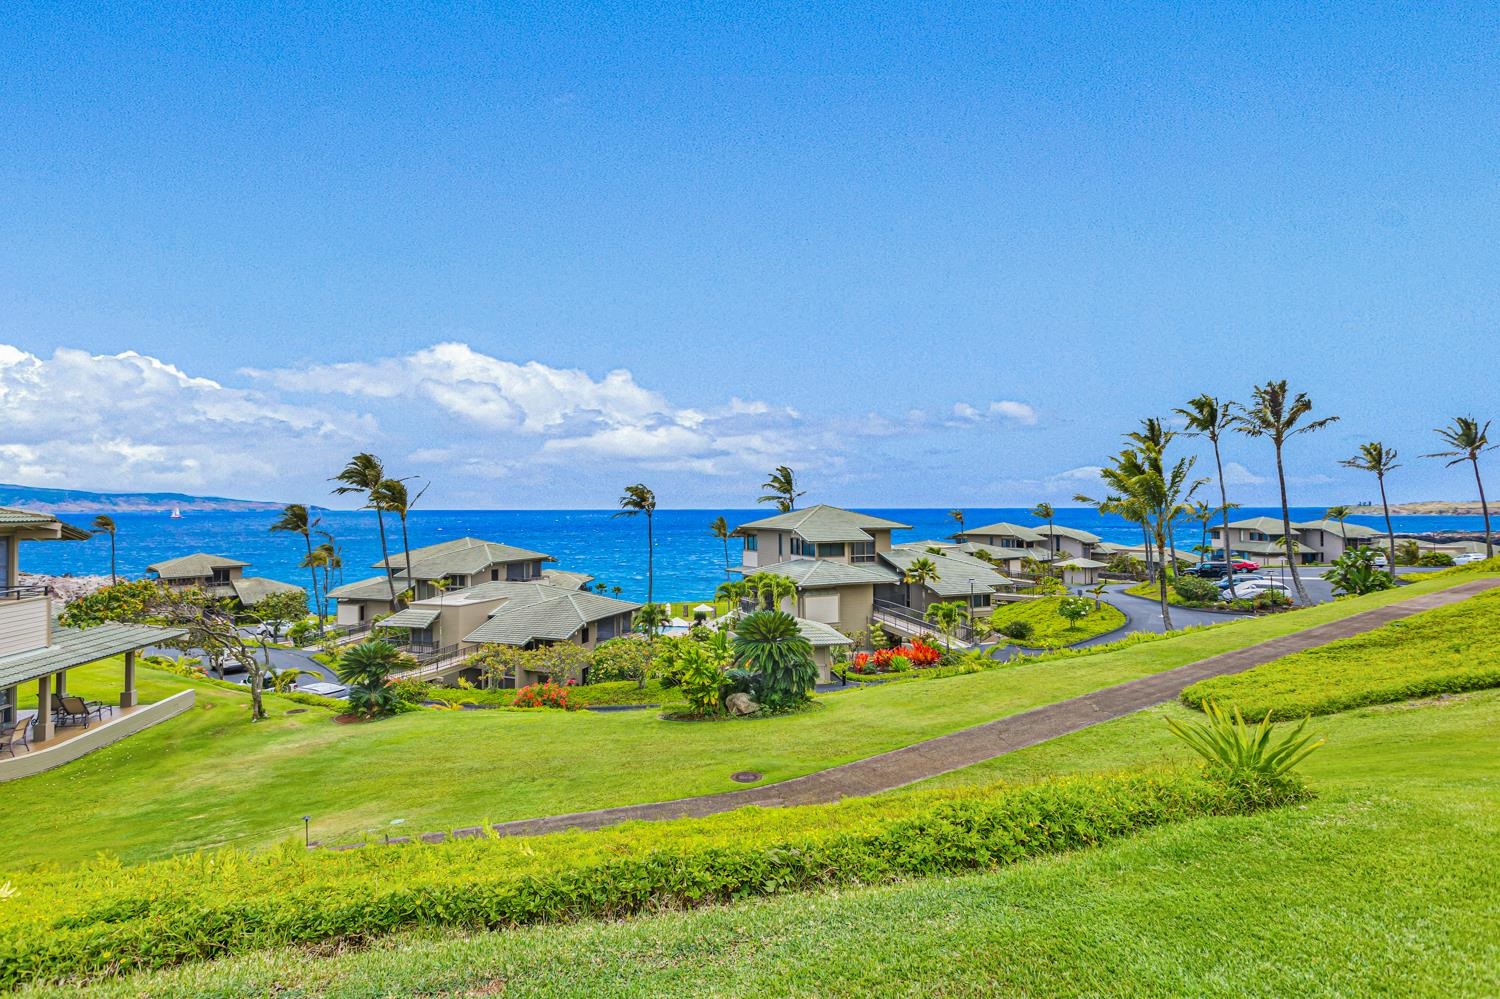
12	734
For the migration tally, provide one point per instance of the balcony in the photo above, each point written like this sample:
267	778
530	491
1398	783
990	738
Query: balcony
25	619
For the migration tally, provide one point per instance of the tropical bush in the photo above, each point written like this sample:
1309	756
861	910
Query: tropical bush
1270	600
1441	651
366	668
1196	590
1255	760
770	643
618	659
102	918
1408	552
1018	631
1435	559
188	666
546	694
701	677
916	653
301	632
1355	573
1074	610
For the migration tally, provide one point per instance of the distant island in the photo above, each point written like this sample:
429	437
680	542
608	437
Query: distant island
84	501
1427	508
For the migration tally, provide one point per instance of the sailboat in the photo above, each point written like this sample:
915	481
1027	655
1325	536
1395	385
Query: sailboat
176	513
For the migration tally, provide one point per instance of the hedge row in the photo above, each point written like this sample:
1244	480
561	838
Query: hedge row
104	919
1444	651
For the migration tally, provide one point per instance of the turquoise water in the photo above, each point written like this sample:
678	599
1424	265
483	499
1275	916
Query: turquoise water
689	560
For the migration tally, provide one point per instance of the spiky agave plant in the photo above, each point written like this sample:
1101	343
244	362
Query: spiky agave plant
1255	759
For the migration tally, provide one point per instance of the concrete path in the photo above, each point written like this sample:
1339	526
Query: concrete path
900	767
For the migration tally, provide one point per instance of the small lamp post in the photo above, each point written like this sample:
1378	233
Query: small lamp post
307	830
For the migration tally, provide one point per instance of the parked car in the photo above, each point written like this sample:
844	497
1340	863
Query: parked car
1245	565
1468	558
1252	589
1216	569
324	689
1241	578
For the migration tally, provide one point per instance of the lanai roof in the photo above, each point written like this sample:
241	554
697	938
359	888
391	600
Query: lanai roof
538	612
461	557
955	569
194	566
811	574
46	525
75	646
824	523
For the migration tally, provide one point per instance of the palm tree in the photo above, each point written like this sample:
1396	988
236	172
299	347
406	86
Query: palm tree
617	590
1375	457
1158	494
314	560
719	528
731	592
105	524
1275	415
1340	514
391	495
367	668
958	517
771	644
781	489
333	566
1468	441
1207	417
947	616
638	499
1044	511
771	589
1129	510
649	619
295	519
921	572
363	474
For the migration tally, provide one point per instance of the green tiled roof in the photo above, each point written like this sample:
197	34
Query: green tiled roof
411	617
827	524
566	580
1066	532
194	566
821	635
251	590
1266	525
1079	563
12	517
812	574
1002	529
461	557
374	588
75	646
1270	547
1333	527
955	569
538	612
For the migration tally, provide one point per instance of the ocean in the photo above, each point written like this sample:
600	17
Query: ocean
689	560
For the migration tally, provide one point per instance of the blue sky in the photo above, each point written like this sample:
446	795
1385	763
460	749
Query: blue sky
926	257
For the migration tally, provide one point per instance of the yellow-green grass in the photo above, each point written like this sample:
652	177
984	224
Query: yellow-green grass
209	777
1049	628
1443	651
1380	886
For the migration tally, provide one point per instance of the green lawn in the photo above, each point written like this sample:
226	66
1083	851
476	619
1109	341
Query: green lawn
208	777
1383	885
1050	629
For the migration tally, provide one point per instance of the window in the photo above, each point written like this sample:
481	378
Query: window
583	635
494	575
796	545
7	694
5	544
862	551
220	576
752	542
1259	536
830	550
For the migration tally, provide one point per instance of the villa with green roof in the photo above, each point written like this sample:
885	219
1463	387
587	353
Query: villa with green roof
34	648
457	565
219	576
1262	539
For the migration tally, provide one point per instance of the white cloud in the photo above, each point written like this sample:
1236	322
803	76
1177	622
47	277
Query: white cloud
1002	410
128	421
1236	474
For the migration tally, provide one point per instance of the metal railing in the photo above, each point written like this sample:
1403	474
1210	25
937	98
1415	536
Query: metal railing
24	592
910	620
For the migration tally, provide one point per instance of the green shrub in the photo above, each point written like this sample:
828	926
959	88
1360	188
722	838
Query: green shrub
1018	631
618	659
103	918
1448	650
1355	573
1256	760
1196	590
1435	559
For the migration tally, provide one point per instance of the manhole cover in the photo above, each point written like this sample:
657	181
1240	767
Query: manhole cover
745	776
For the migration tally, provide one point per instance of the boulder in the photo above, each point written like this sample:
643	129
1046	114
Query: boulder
741	704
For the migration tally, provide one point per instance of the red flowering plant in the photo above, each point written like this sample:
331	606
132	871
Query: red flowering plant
916	652
546	694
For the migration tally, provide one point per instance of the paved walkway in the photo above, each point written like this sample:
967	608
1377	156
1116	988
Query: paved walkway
900	767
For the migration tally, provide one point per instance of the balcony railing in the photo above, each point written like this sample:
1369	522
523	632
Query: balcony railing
23	592
911	621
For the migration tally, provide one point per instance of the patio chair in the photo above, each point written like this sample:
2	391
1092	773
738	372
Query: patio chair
19	732
73	708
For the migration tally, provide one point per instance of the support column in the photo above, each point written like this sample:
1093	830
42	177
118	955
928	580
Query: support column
42	728
62	683
127	696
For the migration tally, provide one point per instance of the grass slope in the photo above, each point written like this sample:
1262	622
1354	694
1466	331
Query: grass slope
1442	651
208	778
1050	629
1376	888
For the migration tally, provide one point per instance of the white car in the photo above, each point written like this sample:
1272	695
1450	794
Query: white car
1250	589
1468	558
324	689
